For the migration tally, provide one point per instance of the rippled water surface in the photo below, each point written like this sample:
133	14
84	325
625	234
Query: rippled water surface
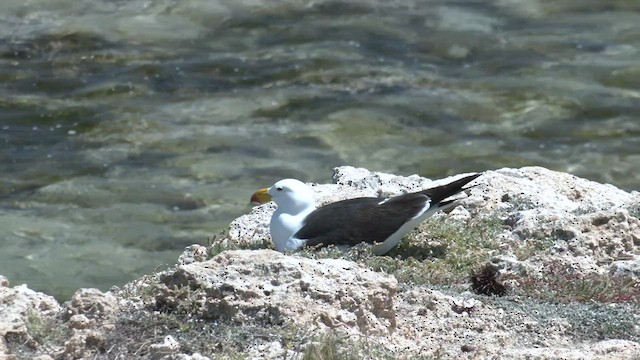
130	129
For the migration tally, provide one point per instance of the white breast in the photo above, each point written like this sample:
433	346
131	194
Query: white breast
283	227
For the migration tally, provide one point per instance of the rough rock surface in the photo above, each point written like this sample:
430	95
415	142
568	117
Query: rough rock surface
251	298
438	325
193	253
169	349
89	315
19	306
269	287
92	303
589	222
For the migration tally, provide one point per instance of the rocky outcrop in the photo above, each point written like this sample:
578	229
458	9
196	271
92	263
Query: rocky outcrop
89	316
261	304
268	287
21	310
589	223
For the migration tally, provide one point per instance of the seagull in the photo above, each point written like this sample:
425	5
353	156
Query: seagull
297	222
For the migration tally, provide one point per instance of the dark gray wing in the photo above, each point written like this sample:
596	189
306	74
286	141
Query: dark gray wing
350	222
439	193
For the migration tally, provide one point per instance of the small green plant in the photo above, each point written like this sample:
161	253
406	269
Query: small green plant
330	347
44	335
136	329
332	252
527	248
444	252
43	330
221	242
519	202
439	252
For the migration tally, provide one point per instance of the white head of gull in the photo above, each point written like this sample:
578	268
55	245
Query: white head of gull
295	201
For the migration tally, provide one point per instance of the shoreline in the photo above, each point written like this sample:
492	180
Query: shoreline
565	249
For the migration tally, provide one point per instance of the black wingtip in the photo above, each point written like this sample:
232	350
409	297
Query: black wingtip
439	193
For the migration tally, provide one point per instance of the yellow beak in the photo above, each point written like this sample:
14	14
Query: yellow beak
261	196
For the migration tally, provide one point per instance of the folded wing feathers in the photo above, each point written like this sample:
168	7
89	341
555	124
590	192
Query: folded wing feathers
440	193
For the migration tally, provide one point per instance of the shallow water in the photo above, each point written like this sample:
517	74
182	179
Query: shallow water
131	129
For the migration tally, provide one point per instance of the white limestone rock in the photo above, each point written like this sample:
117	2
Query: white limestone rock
79	322
268	287
92	303
627	268
618	348
17	303
193	253
82	343
546	192
588	225
89	316
164	350
43	357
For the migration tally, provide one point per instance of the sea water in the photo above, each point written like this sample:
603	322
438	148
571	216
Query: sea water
131	129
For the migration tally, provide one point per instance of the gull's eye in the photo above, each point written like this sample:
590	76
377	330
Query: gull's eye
278	189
